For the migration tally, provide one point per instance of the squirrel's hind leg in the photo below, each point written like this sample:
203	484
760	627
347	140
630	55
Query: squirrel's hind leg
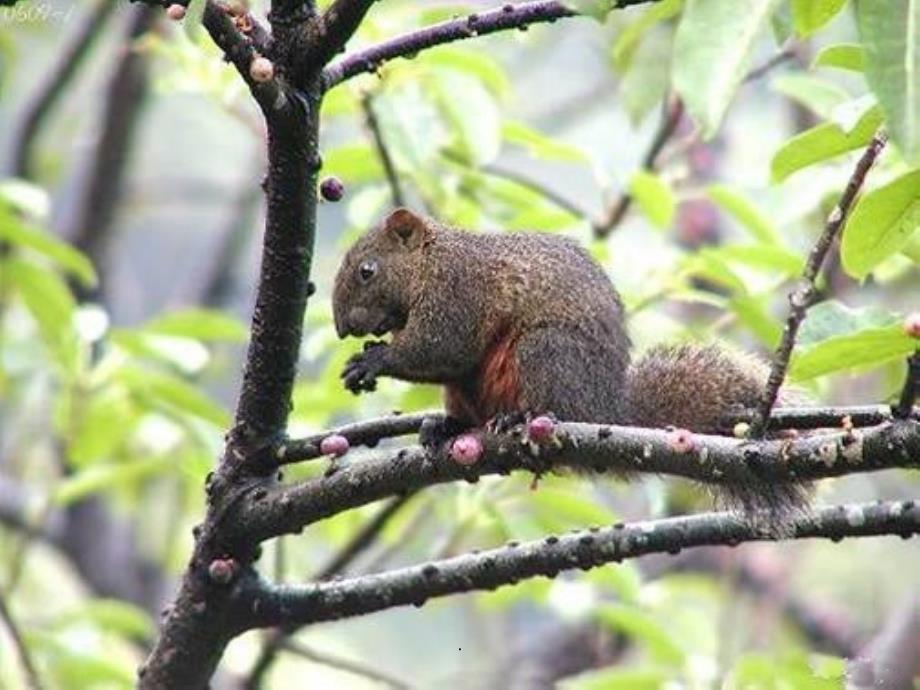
571	374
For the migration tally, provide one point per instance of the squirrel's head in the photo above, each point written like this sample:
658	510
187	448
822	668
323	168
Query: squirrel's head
372	291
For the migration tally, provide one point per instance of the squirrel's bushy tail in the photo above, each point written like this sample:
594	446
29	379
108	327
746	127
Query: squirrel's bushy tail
696	387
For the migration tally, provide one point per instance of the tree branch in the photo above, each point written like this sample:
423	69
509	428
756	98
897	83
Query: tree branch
338	23
352	667
22	650
40	104
371	431
802	297
268	604
613	450
509	16
383	151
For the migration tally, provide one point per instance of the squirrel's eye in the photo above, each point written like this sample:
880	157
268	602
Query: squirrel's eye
367	270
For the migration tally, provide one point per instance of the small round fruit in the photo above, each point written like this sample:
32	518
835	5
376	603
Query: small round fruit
332	189
466	449
335	445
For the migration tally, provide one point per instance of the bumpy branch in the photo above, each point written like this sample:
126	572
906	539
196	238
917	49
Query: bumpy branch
509	16
802	297
587	447
370	432
281	605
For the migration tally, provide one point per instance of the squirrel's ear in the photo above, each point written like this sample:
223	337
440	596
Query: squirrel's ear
410	229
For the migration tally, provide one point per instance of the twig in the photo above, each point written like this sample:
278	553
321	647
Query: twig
773	465
280	637
509	16
346	665
802	297
89	225
40	104
364	538
671	115
278	605
547	193
911	388
363	433
338	23
25	658
383	150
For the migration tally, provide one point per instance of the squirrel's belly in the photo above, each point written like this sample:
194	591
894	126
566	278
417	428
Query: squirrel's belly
496	388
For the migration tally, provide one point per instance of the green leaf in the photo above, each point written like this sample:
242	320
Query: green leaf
712	50
557	510
630	37
848	56
654	197
810	15
642	628
765	257
25	198
620	679
472	114
883	222
540	145
51	305
17	233
106	476
745	212
193	16
200	324
866	348
647	80
112	615
100	426
890	32
171	393
823	142
818	95
832	318
354	163
753	314
473	63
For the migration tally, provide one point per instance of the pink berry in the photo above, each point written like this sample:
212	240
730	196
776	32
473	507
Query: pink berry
175	12
541	429
681	440
261	70
335	445
221	570
912	324
466	449
332	189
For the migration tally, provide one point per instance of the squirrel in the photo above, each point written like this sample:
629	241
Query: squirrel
528	323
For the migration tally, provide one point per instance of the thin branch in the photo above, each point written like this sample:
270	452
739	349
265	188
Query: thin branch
802	297
280	637
25	658
911	388
32	118
509	16
90	224
768	466
383	151
671	116
339	22
546	192
672	113
364	433
269	604
346	665
364	538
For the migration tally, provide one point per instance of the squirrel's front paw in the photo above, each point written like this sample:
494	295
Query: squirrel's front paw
361	370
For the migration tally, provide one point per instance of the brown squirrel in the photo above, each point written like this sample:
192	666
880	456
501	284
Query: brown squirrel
517	323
